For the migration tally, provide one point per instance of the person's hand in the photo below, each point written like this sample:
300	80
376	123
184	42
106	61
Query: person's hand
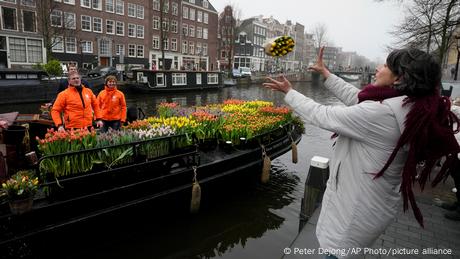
319	65
282	84
61	128
99	123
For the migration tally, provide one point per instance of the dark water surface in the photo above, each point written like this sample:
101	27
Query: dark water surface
239	218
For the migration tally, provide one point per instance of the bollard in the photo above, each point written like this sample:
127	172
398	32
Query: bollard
315	185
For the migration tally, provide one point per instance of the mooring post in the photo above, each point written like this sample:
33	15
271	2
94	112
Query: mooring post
315	185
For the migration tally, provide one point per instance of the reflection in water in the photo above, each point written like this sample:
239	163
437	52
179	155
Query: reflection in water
238	219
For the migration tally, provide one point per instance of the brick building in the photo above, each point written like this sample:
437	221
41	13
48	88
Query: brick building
226	35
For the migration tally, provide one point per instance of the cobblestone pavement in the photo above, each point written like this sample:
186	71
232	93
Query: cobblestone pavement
405	235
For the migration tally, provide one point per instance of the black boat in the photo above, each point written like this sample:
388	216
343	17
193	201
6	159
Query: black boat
33	85
79	197
150	81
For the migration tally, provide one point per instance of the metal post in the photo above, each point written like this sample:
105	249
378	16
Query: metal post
314	188
458	56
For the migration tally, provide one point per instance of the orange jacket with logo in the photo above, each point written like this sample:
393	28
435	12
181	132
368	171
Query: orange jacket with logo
112	104
76	115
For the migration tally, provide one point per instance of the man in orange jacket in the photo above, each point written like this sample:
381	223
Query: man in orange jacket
112	104
78	105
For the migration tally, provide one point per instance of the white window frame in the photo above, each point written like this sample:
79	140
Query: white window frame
179	79
185	12
140	12
131	10
140	31
205	18
191	47
86	46
69	42
68	21
110	6
56	14
174	26
31	3
175	9
140	48
107	26
174	44
86	21
160	82
117	23
199	16
35	20
131	30
205	33
59	47
155	42
97	5
156	22
119	49
198	78
120	7
191	30
85	3
133	48
205	4
165	44
71	2
192	14
213	79
100	24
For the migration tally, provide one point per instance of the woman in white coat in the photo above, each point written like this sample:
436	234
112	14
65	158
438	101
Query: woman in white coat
383	131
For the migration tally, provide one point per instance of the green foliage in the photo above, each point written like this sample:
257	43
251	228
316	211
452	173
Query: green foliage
53	68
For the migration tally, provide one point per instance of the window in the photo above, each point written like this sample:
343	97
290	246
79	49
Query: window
131	10
185	29
109	7
28	18
156	42
71	45
191	47
166	44
179	78
198	48
192	1
199	16
131	30
97	5
165	6
17	49
198	79
156	5
119	49
110	26
57	44
120	7
140	11
174	44
191	31
34	51
85	3
10	1
205	4
192	14
185	12
85	23
175	9
165	24
174	26
131	50
156	22
140	31
205	18
30	3
184	46
70	20
205	49
97	24
56	18
160	79
213	79
205	33
104	47
72	2
199	32
120	28
87	46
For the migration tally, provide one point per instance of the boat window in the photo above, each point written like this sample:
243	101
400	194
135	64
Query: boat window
10	76
22	76
179	78
213	79
160	79
198	79
32	76
140	77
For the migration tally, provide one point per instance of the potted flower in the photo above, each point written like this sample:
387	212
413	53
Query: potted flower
20	189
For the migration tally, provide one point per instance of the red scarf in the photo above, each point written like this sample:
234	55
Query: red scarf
429	133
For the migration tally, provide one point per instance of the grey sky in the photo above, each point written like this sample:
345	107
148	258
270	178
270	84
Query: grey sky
354	25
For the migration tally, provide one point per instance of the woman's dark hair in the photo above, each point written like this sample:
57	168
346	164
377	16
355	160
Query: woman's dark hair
419	72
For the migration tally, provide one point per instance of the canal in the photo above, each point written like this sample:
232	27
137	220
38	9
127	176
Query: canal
241	218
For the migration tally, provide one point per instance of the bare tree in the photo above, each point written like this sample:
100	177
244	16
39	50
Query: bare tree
429	24
54	25
320	34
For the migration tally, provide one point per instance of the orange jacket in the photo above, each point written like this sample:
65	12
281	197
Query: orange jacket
112	104
76	115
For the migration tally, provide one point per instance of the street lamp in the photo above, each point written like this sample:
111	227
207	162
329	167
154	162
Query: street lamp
458	56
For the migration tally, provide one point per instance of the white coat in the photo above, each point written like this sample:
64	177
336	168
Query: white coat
356	208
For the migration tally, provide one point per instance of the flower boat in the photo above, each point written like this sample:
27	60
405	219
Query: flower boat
83	174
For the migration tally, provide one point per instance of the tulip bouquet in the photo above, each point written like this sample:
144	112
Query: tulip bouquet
279	46
21	185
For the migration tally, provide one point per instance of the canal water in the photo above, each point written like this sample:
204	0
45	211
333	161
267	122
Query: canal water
241	218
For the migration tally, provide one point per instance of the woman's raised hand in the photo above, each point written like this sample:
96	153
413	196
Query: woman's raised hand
319	65
282	84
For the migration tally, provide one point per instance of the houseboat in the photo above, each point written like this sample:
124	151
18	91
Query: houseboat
78	197
33	85
151	81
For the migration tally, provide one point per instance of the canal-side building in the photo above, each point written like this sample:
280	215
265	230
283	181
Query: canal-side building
226	37
189	35
310	50
21	43
249	45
